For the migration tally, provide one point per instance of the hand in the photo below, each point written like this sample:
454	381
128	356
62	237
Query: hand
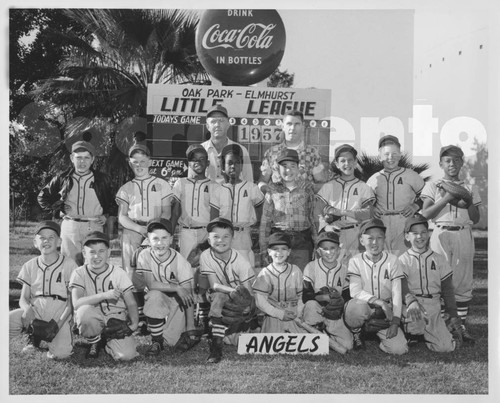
410	210
334	211
377	212
101	220
392	331
385	307
289	315
185	295
133	326
112	294
415	311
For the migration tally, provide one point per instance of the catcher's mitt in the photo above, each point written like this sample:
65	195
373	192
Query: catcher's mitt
43	330
454	326
239	308
329	216
335	307
462	197
377	321
116	329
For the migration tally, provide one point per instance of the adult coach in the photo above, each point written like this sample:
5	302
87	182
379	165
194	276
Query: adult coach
218	125
80	196
310	166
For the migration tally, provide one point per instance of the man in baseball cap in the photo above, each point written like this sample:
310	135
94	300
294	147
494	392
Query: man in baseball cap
218	125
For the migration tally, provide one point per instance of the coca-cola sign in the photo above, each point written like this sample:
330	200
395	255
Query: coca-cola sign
240	47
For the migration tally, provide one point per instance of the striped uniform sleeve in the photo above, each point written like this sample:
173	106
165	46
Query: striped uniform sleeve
308	283
143	265
397	294
324	194
123	196
184	273
429	191
23	277
417	183
368	196
244	271
76	280
177	190
215	192
166	192
476	198
124	282
356	283
205	263
257	195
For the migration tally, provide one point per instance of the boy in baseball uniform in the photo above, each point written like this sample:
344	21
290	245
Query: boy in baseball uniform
375	281
140	200
452	234
169	279
45	294
397	191
223	265
240	201
278	288
429	278
82	197
289	208
195	202
101	291
346	197
322	277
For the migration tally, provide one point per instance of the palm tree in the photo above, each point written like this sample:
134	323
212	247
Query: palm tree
103	79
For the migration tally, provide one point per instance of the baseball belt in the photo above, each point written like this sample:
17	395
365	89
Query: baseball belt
238	229
346	227
54	296
430	296
140	222
391	213
452	227
186	227
79	219
283	304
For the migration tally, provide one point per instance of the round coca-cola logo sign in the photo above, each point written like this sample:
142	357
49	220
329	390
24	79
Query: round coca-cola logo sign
240	47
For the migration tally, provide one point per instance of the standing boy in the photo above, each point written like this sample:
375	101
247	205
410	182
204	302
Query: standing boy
102	294
375	286
169	278
288	208
140	200
80	196
452	234
278	289
240	201
346	198
397	191
429	278
223	265
45	295
325	290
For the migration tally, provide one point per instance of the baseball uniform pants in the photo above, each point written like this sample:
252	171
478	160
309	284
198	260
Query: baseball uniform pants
458	248
336	329
132	240
275	325
45	309
91	321
72	235
395	234
436	334
242	242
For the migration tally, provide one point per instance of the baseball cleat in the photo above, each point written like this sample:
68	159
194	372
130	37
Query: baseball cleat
466	336
358	342
93	351
188	340
215	350
413	340
154	349
33	343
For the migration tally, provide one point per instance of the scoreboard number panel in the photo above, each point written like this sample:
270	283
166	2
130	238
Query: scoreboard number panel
259	134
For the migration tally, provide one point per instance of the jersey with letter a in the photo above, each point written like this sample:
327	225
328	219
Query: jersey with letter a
319	275
238	202
174	270
236	271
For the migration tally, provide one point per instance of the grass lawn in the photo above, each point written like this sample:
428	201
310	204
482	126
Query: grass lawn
464	372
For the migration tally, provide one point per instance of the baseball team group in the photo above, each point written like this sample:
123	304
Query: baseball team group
391	258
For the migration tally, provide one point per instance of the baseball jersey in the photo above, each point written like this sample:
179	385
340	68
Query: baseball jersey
368	279
451	215
351	195
309	158
319	275
82	200
238	202
45	279
196	197
175	269
424	271
114	277
236	271
395	190
146	198
280	285
214	170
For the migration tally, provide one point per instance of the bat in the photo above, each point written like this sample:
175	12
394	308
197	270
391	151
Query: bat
223	288
334	345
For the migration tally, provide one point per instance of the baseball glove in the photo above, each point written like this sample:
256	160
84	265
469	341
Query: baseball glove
454	326
239	308
43	330
377	321
335	307
462	197
329	216
116	329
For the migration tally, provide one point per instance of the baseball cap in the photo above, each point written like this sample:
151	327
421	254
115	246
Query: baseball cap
50	225
388	139
288	155
159	223
415	219
83	146
195	148
218	108
219	221
139	147
279	238
371	223
231	148
345	148
328	236
96	236
451	149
